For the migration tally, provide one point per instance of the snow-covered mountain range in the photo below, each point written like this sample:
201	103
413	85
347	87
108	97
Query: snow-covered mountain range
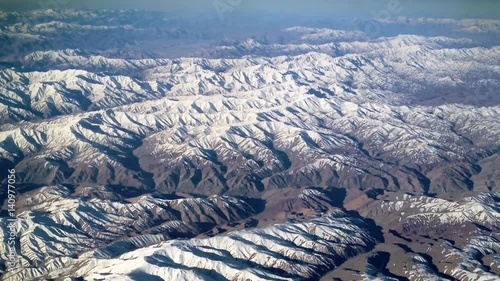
216	125
146	149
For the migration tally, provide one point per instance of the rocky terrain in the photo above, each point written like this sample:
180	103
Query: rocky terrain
304	154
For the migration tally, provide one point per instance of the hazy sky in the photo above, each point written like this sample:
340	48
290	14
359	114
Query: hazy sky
361	8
